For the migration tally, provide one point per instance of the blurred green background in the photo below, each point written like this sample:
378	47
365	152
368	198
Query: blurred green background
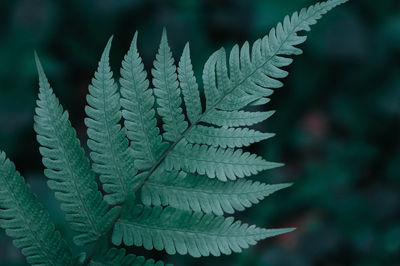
337	120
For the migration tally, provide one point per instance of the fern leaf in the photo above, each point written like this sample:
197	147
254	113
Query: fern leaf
236	118
184	232
221	163
24	219
255	74
115	256
189	86
137	109
225	137
260	101
68	168
209	81
167	92
200	193
112	159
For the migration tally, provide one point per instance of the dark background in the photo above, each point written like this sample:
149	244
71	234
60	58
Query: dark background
337	120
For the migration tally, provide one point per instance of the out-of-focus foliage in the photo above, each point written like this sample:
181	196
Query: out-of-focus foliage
338	116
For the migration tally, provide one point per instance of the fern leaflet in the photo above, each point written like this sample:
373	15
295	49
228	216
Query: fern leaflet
214	162
167	92
199	193
110	153
189	86
225	137
24	219
184	232
68	169
137	109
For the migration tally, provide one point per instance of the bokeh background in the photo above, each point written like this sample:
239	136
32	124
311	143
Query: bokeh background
337	120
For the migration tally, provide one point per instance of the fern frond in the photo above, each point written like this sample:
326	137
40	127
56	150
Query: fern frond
190	90
200	193
166	89
235	118
260	101
255	74
111	155
250	79
137	109
68	168
225	137
113	257
185	169
218	163
25	220
184	232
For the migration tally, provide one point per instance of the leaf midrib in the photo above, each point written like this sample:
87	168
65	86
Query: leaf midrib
198	190
194	232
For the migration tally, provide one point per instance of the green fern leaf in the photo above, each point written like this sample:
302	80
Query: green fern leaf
253	73
225	137
185	169
167	92
137	109
189	86
260	101
24	219
110	154
199	193
118	257
221	163
68	169
184	232
256	74
252	76
235	118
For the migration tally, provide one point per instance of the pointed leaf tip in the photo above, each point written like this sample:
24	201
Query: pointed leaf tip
37	61
110	39
286	185
288	230
42	76
164	35
107	49
133	45
186	49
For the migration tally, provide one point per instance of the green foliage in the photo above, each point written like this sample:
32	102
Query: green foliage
174	168
185	232
110	149
166	89
138	110
214	162
226	137
25	220
200	193
68	169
